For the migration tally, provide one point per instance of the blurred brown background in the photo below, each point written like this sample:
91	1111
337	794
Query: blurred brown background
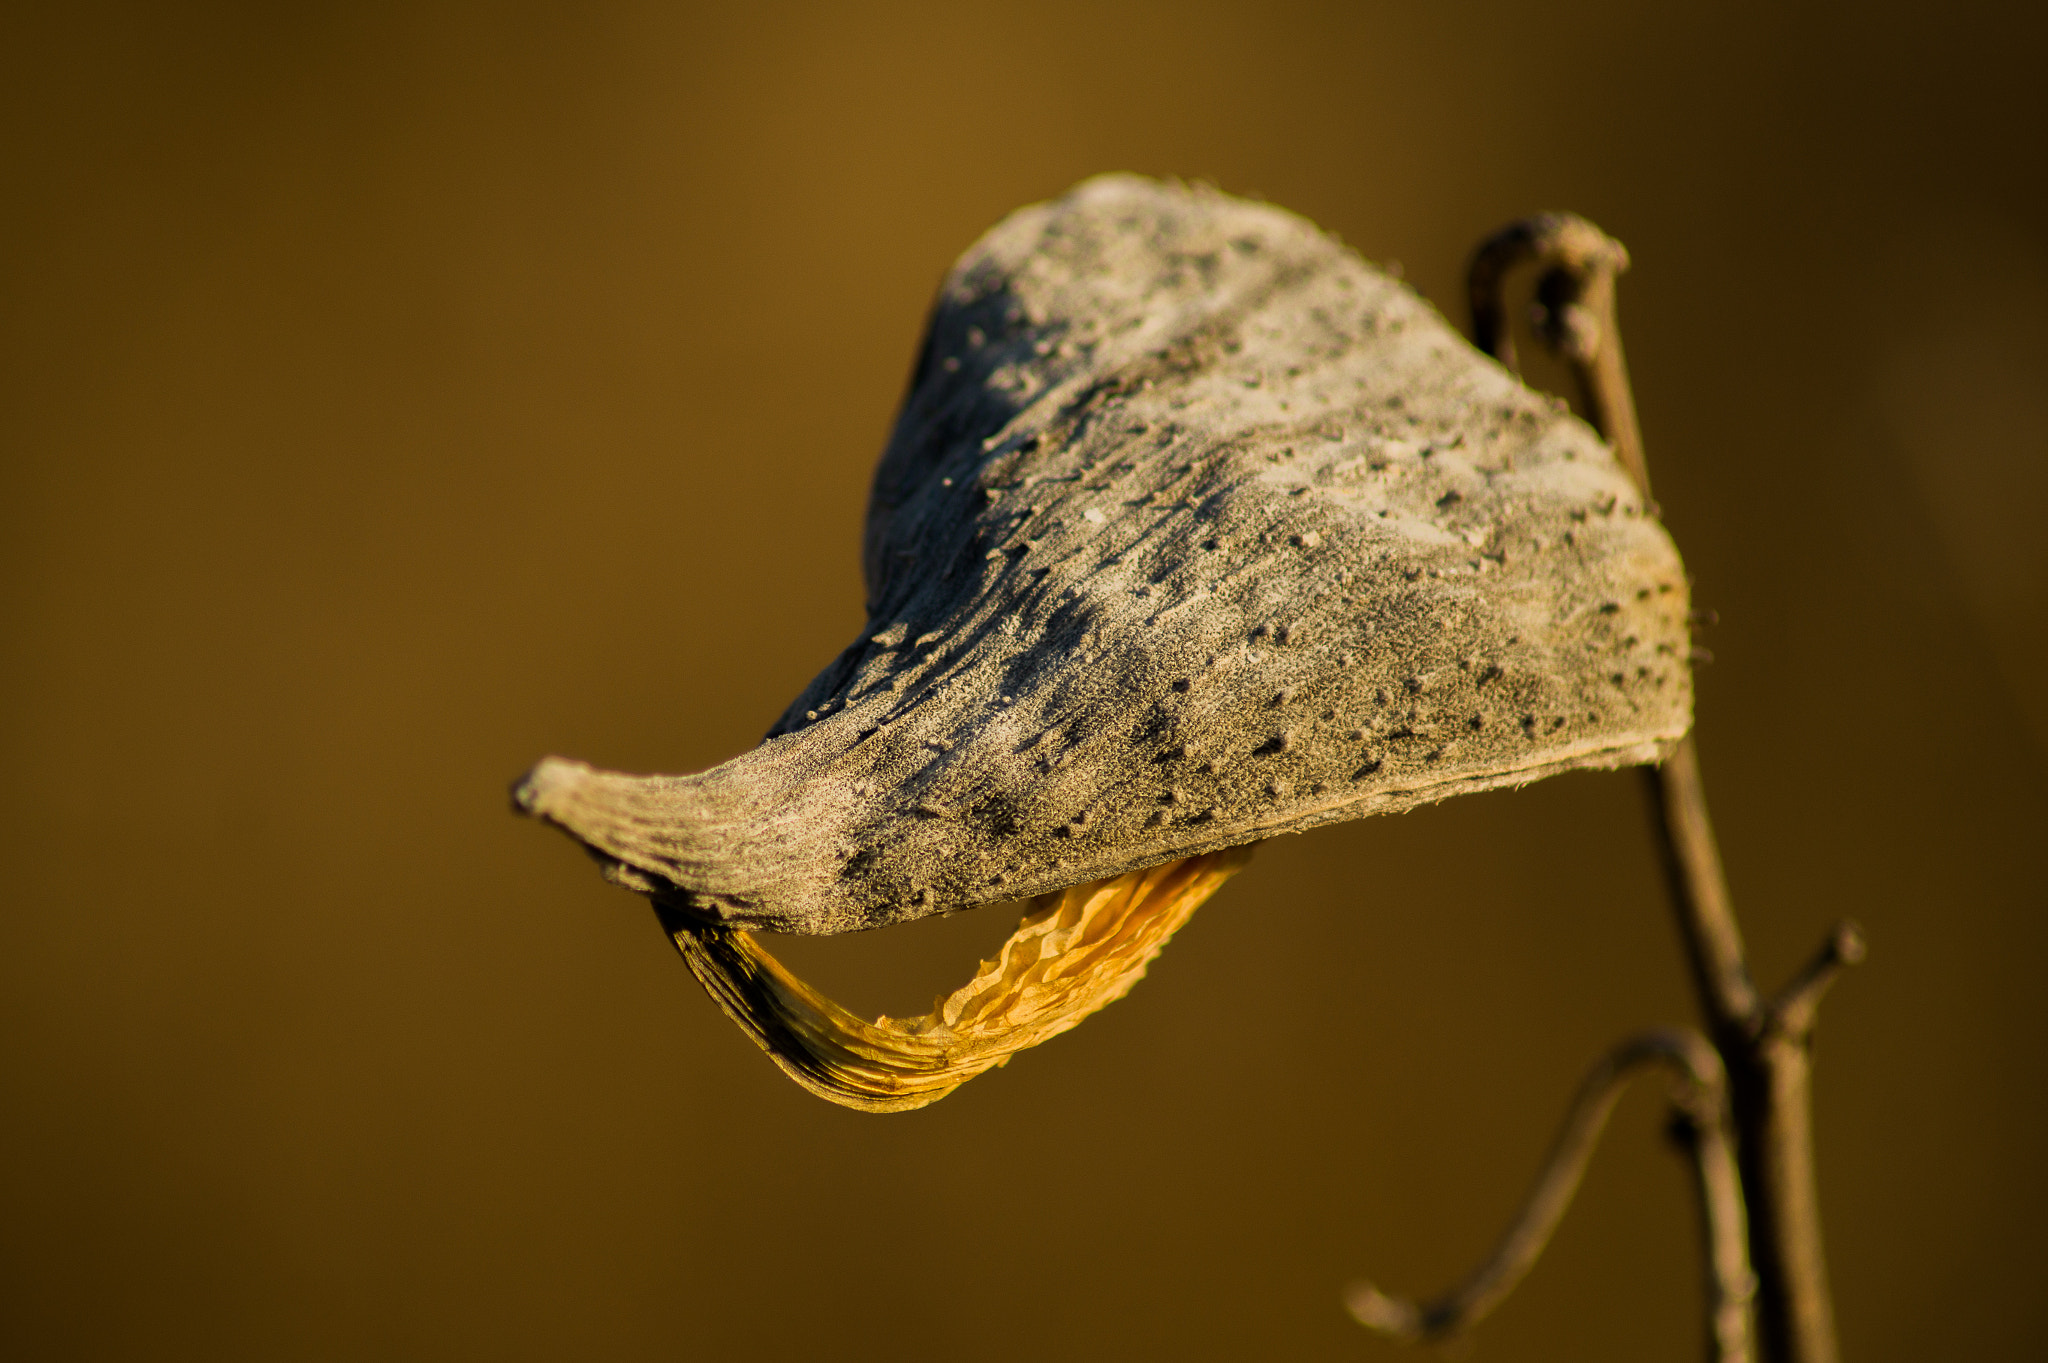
393	395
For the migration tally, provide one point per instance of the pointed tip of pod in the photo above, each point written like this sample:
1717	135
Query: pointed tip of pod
541	789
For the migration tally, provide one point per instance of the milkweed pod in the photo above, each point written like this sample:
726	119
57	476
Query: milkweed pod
1195	528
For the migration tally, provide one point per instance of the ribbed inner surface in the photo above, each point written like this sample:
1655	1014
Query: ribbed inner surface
1075	950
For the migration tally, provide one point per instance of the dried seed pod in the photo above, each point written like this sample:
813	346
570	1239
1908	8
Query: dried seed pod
1195	528
1166	455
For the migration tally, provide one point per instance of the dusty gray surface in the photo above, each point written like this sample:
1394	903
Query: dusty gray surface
1194	529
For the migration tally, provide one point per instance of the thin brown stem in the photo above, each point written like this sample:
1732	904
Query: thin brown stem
1699	1100
1731	1281
1691	858
1765	1046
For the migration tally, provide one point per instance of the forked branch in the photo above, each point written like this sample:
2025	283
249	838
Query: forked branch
1700	1107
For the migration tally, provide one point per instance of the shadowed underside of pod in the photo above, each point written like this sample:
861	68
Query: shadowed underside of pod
1194	529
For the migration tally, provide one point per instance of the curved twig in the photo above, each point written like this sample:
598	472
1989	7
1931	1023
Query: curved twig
1700	1099
1575	315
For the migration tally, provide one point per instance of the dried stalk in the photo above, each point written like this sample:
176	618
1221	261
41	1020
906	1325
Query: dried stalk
1700	1104
1765	1046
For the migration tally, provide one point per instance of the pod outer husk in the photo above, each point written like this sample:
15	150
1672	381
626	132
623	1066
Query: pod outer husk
1195	528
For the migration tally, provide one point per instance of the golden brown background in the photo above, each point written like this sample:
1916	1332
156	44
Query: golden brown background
393	394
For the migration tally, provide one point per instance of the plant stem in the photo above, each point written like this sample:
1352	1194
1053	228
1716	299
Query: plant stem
1766	1047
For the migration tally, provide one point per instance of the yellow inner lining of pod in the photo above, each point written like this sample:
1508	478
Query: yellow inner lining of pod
1075	950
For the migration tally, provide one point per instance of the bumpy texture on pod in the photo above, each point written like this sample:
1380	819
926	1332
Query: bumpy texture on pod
1195	528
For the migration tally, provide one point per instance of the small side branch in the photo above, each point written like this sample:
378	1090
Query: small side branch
1699	1098
1793	1012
